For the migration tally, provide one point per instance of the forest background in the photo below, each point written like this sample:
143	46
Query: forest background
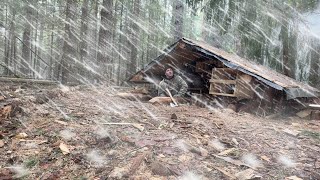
96	40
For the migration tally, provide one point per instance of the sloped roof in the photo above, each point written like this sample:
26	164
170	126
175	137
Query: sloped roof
270	77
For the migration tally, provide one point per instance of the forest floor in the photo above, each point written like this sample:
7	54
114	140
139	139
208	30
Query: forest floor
90	133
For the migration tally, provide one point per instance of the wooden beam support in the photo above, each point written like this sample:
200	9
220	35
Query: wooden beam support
222	81
223	94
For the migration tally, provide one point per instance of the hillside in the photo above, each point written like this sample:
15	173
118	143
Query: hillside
89	133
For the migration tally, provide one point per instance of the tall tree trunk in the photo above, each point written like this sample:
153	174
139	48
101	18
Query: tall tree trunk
315	66
148	36
114	44
40	52
90	58
35	72
10	43
134	35
13	56
51	76
286	49
177	19
125	43
6	45
120	45
69	73
13	46
96	32
83	33
26	45
105	37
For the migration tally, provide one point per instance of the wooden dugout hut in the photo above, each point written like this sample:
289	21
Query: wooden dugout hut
213	71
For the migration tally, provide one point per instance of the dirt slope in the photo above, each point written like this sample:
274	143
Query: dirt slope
84	133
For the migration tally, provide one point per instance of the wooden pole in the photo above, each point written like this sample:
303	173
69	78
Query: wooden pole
173	100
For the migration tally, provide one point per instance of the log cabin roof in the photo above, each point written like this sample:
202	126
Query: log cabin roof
187	50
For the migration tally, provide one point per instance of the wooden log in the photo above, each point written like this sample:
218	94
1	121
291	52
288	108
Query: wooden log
140	90
22	80
223	94
134	96
314	106
160	100
167	100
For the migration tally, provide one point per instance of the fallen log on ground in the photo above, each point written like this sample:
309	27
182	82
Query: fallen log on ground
134	96
167	100
22	80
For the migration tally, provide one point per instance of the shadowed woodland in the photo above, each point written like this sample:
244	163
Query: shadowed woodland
91	41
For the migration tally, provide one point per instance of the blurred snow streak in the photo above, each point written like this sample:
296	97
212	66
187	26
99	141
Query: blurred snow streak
251	160
217	144
67	134
19	170
94	157
190	176
286	161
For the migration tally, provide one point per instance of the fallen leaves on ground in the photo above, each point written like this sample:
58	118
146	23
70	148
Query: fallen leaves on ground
65	138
